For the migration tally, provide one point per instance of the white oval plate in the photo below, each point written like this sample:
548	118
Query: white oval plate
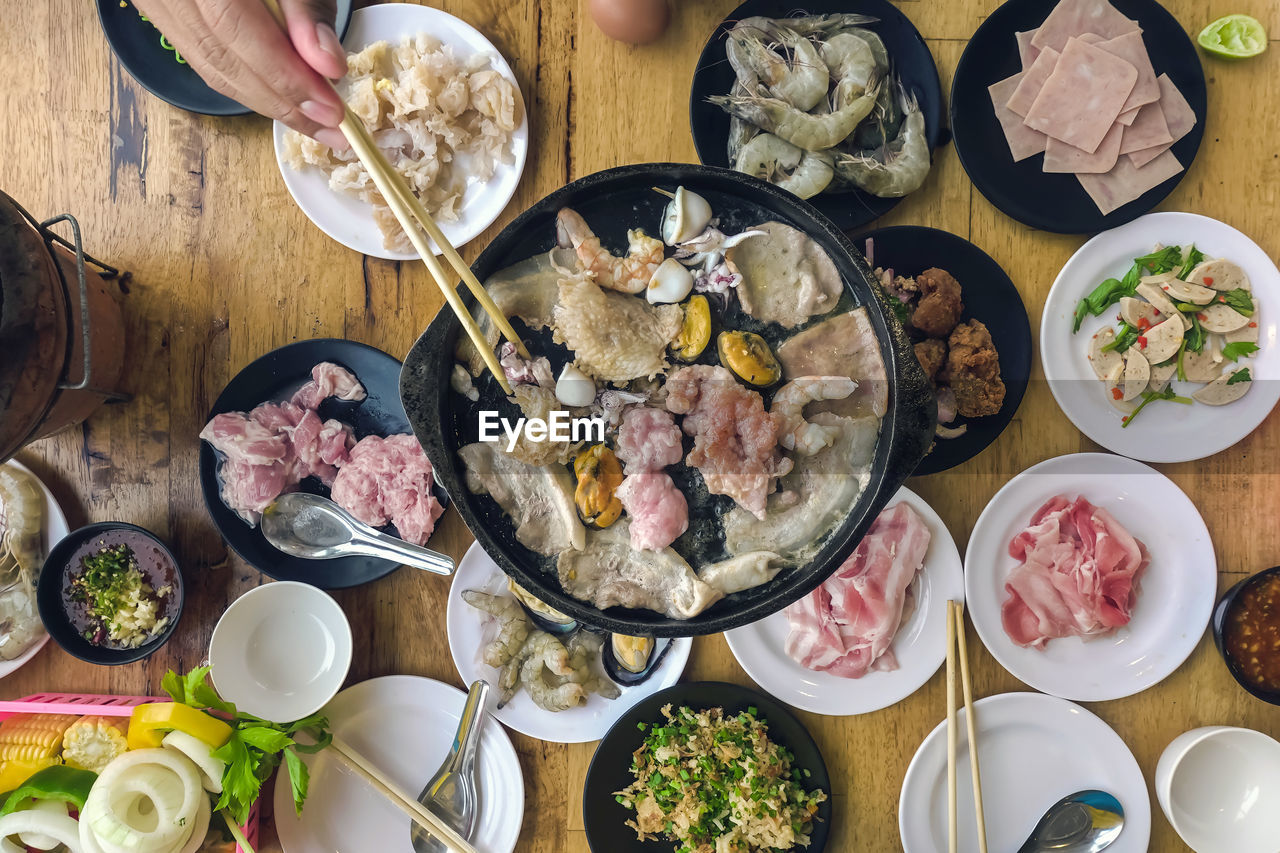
55	528
470	630
1176	595
920	645
1033	750
1166	432
404	725
349	220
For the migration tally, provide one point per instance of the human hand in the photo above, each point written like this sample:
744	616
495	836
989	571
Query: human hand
239	49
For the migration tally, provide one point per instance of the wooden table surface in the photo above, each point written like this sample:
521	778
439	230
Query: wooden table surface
225	267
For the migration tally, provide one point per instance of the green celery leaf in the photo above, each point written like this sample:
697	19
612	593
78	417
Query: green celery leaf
1241	375
1235	349
266	739
299	778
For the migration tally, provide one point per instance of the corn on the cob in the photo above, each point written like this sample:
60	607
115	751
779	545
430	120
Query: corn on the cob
25	737
91	743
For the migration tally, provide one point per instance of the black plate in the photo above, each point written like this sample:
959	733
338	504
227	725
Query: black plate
907	50
1218	625
989	296
613	201
275	376
1057	202
605	820
137	45
54	615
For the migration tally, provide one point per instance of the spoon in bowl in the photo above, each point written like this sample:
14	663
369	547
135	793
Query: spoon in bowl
1083	822
316	528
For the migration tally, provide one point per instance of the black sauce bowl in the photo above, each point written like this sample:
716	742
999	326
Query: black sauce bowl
1218	624
53	610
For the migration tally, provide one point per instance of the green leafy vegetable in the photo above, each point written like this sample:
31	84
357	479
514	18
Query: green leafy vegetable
1239	300
1125	338
1241	375
1234	350
1190	262
1195	336
900	309
1112	290
1150	397
1182	348
1161	260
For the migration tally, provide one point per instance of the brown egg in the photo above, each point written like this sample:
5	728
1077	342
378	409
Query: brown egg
632	21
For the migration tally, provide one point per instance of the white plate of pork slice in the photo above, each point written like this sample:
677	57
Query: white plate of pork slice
1090	576
1166	431
874	632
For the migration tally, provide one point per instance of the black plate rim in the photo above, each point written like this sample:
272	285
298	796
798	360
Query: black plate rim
1015	388
52	613
770	708
869	208
1093	221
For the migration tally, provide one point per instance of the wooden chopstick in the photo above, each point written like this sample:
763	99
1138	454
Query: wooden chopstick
956	610
417	812
410	213
953	836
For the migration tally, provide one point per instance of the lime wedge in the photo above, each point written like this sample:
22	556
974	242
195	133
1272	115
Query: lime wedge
1234	37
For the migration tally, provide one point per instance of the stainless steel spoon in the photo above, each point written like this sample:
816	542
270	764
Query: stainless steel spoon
316	528
451	794
1084	822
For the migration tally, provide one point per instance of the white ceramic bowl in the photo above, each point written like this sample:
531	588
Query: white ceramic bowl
1219	787
281	651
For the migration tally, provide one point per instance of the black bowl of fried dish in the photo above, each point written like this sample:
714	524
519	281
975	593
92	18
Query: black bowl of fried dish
614	201
604	818
89	558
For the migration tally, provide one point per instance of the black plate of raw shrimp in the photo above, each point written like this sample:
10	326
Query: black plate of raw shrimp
911	62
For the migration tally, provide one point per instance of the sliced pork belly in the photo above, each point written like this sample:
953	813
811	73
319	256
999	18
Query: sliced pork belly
1078	574
847	625
659	512
328	380
243	439
321	448
389	480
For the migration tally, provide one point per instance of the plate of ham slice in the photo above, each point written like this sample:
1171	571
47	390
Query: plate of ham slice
874	632
1090	576
1078	116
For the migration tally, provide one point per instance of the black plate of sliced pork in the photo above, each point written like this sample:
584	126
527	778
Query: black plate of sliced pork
320	416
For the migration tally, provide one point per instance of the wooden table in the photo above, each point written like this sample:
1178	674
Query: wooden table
225	267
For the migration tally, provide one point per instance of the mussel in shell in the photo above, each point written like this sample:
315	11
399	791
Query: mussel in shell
542	614
695	331
749	357
599	474
631	660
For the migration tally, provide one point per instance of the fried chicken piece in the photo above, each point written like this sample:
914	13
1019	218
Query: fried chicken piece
932	355
974	369
939	308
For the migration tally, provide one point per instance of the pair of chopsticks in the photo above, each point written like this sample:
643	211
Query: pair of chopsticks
401	799
414	219
956	639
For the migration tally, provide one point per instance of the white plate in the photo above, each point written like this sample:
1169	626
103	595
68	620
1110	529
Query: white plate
1166	432
920	645
55	528
404	725
470	630
349	220
1177	589
1033	750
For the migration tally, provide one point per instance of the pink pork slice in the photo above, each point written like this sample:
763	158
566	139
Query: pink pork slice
1083	96
1023	141
1149	130
1027	52
1071	18
1061	157
1127	182
1033	81
1132	49
1178	116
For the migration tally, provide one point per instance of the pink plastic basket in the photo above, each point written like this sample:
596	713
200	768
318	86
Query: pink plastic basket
84	704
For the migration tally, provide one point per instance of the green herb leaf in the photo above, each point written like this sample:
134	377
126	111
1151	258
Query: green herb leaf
173	685
266	739
1195	336
1241	375
1151	396
1239	300
1126	337
299	778
1235	349
1190	262
1161	260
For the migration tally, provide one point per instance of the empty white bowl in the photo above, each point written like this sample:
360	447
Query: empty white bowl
281	651
1219	787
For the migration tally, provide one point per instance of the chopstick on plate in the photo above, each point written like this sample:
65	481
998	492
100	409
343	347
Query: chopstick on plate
956	641
414	219
400	798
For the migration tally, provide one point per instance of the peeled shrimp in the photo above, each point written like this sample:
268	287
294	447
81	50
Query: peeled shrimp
801	80
584	651
808	131
900	168
548	655
798	434
805	173
513	625
630	274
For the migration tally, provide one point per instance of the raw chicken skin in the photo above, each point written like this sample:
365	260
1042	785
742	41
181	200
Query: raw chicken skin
1078	574
846	625
389	480
648	439
659	512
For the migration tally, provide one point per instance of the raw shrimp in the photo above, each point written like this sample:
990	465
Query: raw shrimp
810	132
850	60
822	26
880	127
630	274
900	168
878	50
801	81
513	624
548	654
805	173
740	132
798	434
584	651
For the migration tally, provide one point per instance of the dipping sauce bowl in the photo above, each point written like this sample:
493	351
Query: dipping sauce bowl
1246	628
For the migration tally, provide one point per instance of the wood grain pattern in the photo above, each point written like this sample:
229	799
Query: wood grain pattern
225	267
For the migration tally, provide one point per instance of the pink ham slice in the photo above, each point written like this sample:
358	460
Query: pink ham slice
1178	117
1023	141
1026	50
1128	116
1078	574
846	626
1149	130
1083	96
1132	49
1127	182
1033	81
1061	157
1071	18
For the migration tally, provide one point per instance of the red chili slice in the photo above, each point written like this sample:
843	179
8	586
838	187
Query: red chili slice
1116	394
1208	280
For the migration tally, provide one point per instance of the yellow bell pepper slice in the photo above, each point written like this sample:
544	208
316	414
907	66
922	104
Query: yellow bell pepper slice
151	722
15	771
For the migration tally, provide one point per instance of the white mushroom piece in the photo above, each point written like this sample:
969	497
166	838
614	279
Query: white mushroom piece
1225	389
1137	373
1109	365
1221	318
1161	340
1153	294
1134	311
1220	274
